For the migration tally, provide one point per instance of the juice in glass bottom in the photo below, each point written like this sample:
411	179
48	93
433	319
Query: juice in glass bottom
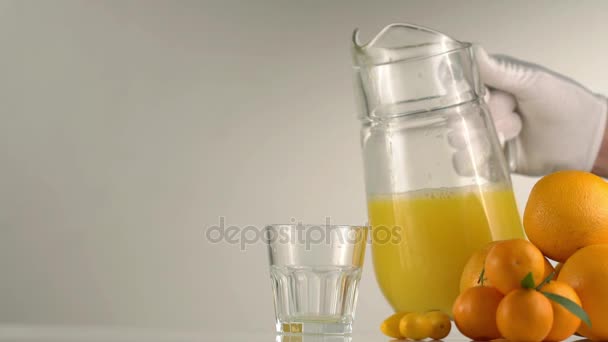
432	235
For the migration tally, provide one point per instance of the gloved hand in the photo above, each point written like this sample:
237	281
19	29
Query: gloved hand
554	123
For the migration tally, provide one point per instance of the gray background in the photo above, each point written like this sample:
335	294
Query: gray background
129	127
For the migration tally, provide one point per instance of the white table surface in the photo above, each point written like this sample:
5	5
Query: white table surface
38	333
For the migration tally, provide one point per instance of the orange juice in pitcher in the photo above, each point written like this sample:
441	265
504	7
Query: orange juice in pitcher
437	231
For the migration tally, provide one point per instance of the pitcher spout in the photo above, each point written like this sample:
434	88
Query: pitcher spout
407	69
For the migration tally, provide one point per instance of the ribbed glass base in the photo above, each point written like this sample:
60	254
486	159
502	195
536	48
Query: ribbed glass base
314	328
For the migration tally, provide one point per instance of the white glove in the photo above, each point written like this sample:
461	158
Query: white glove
554	123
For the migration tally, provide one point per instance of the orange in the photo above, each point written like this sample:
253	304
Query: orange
566	211
564	322
508	262
547	270
440	324
415	326
587	272
390	326
524	315
558	268
474	313
473	267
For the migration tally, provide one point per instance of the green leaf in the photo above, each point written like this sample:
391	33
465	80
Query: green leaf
481	278
570	306
544	282
528	281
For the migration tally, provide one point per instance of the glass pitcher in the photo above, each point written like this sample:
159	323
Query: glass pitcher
438	186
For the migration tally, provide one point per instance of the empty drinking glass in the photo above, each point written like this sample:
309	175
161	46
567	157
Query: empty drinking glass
315	271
